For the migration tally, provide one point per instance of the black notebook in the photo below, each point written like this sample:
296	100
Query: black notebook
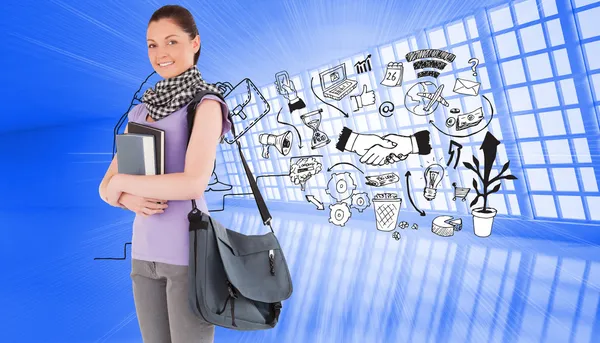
159	142
135	154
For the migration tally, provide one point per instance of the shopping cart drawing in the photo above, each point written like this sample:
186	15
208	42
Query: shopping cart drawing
460	192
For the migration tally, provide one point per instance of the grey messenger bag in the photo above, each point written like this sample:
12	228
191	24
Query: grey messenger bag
236	281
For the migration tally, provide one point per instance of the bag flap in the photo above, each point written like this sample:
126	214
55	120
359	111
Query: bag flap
247	264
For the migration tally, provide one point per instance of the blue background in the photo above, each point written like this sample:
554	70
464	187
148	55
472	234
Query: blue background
71	69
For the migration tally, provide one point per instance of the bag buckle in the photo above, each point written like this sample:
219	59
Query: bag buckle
272	261
232	292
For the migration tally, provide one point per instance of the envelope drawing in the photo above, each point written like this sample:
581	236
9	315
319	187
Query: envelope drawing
466	87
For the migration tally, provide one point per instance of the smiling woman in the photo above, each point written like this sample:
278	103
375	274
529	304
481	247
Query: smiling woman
160	243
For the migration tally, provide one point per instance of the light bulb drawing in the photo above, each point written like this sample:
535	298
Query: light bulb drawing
433	176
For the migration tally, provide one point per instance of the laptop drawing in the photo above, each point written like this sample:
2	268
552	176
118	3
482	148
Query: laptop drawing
335	84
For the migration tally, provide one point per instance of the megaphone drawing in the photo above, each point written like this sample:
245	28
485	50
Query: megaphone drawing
282	142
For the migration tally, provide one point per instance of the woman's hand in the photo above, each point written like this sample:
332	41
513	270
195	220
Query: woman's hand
142	206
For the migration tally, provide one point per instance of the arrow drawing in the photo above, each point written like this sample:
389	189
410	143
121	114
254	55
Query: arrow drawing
472	133
452	151
421	212
315	201
284	123
350	164
326	103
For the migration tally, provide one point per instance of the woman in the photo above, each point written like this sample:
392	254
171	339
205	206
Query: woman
161	202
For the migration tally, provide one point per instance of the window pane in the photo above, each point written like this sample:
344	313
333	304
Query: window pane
569	94
519	99
555	32
532	153
575	121
513	72
544	206
559	151
588	23
501	19
565	179
549	7
571	207
592	51
588	179
456	33
532	38
538	179
552	123
593	207
545	95
526	11
582	150
526	126
507	45
561	62
539	66
437	39
473	33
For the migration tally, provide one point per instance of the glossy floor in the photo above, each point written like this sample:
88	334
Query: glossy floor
351	283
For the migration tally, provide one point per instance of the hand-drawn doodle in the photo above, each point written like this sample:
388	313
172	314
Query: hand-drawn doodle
423	98
450	121
360	201
340	186
467	120
483	217
313	121
396	235
347	163
474	117
407	175
116	258
239	109
453	152
414	226
313	200
433	176
454	111
382	180
303	169
363	66
282	142
365	98
445	226
213	183
386	109
460	192
339	214
376	150
335	84
297	132
312	88
466	87
403	225
387	208
394	72
475	62
429	59
285	86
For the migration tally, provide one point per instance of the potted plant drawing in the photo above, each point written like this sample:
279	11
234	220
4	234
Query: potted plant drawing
483	217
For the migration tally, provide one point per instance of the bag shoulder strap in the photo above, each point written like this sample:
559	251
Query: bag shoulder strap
260	202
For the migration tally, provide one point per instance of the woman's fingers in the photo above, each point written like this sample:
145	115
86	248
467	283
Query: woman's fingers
155	206
150	211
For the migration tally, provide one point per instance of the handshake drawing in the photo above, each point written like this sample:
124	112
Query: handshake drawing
378	151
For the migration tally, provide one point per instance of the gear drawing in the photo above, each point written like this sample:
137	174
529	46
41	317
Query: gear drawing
360	201
340	186
339	214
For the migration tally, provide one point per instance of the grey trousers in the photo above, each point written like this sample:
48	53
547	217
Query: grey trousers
160	292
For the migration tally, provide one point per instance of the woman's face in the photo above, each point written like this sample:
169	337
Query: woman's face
170	49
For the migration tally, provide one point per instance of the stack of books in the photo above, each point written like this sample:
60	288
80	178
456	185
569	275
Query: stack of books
141	151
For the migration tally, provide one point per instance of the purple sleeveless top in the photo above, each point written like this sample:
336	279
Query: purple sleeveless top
163	237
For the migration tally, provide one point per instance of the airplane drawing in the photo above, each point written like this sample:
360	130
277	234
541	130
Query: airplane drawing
434	97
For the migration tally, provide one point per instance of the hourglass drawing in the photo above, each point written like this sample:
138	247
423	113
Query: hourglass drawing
313	121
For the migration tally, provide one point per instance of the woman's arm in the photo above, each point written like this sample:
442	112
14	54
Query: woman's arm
199	162
110	172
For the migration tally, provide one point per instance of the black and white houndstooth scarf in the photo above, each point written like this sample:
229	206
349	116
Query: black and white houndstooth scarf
171	94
